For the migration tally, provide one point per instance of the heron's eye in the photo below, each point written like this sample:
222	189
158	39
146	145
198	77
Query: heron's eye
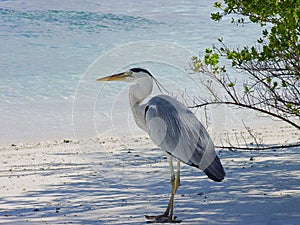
129	73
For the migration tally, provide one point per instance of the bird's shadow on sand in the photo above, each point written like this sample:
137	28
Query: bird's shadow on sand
124	185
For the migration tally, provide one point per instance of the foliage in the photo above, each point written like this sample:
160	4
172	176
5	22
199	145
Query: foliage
272	64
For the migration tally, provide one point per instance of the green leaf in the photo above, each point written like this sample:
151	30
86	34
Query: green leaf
218	5
260	40
274	86
216	16
295	111
246	88
194	58
265	33
231	84
223	69
289	105
208	50
283	83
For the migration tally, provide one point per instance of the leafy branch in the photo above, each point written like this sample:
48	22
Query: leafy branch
270	68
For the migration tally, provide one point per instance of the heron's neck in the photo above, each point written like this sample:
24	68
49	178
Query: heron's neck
137	93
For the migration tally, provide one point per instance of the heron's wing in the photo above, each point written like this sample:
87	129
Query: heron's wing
175	129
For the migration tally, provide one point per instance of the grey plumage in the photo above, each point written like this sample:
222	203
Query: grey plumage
175	129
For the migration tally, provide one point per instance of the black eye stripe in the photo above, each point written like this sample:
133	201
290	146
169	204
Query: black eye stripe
138	70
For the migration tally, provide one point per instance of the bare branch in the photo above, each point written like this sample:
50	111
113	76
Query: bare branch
250	107
261	148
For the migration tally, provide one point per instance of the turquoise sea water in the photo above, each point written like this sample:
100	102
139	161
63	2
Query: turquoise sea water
47	46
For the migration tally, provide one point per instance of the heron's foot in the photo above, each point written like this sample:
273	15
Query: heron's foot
162	219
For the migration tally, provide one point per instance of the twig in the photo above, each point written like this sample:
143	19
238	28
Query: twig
251	134
235	148
250	107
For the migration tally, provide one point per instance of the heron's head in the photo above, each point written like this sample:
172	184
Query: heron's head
131	75
142	78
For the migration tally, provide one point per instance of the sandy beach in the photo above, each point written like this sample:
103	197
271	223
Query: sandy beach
105	180
70	150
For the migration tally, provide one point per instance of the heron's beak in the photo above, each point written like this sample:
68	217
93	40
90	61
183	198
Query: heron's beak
116	77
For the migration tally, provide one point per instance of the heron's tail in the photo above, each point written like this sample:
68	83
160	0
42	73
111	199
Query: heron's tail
215	170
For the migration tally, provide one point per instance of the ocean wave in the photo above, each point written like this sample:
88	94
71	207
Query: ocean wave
38	22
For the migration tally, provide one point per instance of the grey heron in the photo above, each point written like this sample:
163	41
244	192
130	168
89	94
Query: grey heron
174	128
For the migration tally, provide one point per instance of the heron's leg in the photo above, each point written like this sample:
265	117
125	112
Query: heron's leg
175	185
168	215
177	182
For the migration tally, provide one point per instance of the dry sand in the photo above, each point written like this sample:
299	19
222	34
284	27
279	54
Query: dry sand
105	180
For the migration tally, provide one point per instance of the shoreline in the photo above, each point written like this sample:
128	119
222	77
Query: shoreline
267	135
